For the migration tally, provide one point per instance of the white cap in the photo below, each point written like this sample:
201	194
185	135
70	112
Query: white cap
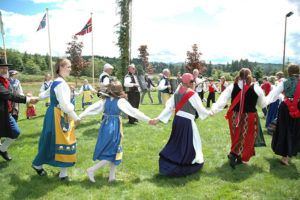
107	66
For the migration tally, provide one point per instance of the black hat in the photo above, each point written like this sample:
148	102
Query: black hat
3	63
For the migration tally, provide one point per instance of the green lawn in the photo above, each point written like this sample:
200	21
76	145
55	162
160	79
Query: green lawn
262	178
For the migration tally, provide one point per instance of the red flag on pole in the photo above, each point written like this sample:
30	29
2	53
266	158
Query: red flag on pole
86	29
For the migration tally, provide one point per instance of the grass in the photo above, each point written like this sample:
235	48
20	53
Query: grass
261	178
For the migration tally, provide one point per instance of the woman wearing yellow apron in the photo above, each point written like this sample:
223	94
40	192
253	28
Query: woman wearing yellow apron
86	91
57	145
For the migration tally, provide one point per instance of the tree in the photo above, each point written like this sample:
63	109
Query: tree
209	69
30	67
143	56
74	51
258	73
193	60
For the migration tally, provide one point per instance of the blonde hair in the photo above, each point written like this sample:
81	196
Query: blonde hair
61	62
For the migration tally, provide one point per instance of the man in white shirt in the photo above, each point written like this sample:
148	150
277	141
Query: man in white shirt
164	86
104	77
132	89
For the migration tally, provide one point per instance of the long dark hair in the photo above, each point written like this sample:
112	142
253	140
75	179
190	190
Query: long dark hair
244	74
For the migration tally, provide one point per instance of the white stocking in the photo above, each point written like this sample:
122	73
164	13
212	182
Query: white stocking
90	171
6	144
112	172
63	172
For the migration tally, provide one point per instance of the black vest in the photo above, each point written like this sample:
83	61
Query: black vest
250	98
166	84
132	89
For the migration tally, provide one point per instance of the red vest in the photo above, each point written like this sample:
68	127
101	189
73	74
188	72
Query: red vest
210	88
223	87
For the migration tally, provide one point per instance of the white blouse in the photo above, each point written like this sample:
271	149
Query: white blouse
63	95
222	101
195	101
123	105
127	82
162	85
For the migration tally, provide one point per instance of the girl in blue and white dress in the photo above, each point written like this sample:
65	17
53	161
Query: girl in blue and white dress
86	91
57	145
47	83
108	148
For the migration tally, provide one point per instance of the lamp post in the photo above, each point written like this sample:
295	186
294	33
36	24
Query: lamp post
286	16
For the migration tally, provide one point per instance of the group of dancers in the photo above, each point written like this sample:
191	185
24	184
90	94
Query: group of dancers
182	155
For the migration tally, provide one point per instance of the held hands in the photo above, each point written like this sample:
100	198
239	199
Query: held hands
78	121
154	121
136	85
169	86
34	100
211	114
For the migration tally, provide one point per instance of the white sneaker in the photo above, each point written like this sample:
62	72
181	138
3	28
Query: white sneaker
90	175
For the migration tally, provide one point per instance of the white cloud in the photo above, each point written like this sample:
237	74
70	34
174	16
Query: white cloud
235	29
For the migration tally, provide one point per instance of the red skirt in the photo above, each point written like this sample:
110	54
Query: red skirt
30	112
244	136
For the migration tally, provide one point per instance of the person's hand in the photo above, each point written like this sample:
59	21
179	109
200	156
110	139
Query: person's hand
169	86
211	114
154	121
136	85
78	121
34	100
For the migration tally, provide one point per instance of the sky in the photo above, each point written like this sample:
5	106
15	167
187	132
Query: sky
224	30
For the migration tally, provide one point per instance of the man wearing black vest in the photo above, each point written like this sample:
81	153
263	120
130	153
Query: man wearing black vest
9	127
132	89
104	77
164	86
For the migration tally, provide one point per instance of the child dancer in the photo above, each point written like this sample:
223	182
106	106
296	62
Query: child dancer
87	95
211	96
30	110
74	94
183	155
108	149
47	83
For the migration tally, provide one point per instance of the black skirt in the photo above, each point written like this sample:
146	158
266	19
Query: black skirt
286	139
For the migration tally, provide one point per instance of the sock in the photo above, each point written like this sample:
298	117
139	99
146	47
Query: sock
63	172
6	144
112	171
90	171
101	163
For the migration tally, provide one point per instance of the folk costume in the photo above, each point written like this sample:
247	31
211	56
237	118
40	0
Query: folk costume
16	87
30	111
133	93
87	97
45	87
9	127
200	87
108	148
286	138
163	88
211	96
242	118
57	145
104	76
182	155
148	82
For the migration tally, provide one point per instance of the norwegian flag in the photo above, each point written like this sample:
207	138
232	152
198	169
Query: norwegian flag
86	29
42	23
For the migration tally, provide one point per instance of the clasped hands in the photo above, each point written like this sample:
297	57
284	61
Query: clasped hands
154	121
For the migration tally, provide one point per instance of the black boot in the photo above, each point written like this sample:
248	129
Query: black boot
232	160
5	155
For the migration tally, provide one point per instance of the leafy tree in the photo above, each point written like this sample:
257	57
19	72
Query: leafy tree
31	68
258	73
193	60
74	51
143	56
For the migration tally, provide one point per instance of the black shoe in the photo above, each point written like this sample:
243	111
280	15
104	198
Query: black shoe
238	161
40	172
232	160
65	178
5	155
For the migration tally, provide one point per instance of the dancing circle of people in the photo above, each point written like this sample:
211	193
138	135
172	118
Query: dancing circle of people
182	155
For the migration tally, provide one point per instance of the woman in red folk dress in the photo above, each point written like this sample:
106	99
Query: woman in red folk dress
242	115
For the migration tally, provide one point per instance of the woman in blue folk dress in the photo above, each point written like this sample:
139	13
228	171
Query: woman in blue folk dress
183	155
57	145
86	91
108	148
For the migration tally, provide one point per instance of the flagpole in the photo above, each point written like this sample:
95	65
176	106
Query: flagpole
4	49
93	63
50	58
130	29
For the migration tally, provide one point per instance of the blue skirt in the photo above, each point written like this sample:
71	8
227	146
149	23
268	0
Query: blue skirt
272	112
177	156
108	145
